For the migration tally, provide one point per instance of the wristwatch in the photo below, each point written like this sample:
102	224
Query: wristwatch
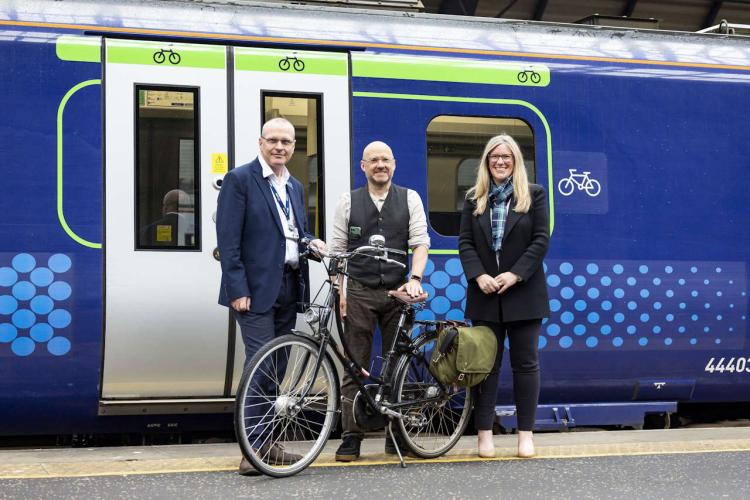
416	277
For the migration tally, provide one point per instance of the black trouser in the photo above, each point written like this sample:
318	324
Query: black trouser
523	340
365	308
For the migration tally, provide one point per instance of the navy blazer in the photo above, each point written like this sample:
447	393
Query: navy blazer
525	243
252	246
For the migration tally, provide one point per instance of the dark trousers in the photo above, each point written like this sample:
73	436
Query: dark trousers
523	340
365	308
258	329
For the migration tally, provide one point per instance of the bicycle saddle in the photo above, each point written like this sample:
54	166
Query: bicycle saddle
405	298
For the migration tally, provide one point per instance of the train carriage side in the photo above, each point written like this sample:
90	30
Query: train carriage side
120	147
50	235
647	268
643	165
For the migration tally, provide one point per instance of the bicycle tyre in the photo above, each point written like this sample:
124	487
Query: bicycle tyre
593	188
566	186
302	430
174	58
159	57
284	64
299	65
430	429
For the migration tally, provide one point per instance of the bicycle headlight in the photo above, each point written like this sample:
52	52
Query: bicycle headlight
311	316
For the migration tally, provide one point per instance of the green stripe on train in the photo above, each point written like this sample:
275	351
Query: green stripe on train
166	55
449	70
79	48
290	61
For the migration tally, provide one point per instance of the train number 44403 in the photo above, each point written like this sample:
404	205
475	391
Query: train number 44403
729	365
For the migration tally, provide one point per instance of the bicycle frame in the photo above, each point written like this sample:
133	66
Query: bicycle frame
324	339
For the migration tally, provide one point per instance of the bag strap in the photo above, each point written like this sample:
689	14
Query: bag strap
450	338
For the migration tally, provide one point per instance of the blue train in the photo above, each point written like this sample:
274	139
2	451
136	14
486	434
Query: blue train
119	120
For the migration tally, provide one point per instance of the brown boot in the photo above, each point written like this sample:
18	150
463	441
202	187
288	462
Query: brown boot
246	469
275	454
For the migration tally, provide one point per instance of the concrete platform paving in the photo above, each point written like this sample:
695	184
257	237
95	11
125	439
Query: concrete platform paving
84	462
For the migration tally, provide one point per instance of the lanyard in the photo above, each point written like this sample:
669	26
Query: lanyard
284	207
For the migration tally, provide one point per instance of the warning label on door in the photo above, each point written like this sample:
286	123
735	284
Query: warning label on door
218	163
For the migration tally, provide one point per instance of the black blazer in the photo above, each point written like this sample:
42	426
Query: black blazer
251	241
525	243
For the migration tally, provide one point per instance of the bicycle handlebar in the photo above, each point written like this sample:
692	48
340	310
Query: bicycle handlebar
357	251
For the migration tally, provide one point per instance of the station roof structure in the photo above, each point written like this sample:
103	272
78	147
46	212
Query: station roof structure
675	15
679	15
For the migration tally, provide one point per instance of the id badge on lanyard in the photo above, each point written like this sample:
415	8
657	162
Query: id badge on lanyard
286	209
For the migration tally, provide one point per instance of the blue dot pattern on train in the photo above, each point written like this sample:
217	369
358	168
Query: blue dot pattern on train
34	309
610	305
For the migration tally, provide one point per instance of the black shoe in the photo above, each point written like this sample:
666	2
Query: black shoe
349	449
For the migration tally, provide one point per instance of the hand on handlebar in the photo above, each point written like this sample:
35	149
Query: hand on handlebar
318	246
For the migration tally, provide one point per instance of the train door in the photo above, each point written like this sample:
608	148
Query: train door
311	89
166	140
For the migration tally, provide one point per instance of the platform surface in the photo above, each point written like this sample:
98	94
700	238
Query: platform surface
678	463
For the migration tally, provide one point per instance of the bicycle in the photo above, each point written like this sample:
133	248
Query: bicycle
529	73
567	185
289	394
160	56
286	63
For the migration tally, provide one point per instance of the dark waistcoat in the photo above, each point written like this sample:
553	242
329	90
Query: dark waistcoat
392	222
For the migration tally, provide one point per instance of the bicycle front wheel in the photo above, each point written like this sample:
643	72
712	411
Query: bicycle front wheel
434	418
284	411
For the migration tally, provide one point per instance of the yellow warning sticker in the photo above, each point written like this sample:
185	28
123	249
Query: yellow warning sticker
163	233
218	163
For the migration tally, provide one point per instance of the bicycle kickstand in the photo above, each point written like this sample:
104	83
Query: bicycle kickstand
395	444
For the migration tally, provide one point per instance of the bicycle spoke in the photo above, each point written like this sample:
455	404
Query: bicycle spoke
286	414
431	425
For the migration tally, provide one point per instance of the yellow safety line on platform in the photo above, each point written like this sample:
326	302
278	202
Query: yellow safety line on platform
160	466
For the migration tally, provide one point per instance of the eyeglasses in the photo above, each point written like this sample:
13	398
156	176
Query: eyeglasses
496	158
273	141
375	161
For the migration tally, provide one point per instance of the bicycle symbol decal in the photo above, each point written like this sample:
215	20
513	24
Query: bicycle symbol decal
529	73
161	56
581	181
291	62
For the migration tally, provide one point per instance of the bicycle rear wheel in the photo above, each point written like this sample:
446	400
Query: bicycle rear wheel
279	431
434	418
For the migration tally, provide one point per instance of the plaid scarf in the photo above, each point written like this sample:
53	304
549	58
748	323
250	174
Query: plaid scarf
498	198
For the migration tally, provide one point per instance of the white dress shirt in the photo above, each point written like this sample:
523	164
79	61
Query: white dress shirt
280	186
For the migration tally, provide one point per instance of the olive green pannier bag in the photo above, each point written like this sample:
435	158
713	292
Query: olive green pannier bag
463	355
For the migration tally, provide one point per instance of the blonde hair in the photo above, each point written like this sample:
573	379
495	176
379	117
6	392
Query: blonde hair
479	194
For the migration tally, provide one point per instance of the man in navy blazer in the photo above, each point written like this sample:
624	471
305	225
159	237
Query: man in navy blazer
259	219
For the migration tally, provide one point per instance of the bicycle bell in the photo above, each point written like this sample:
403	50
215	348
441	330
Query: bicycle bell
377	240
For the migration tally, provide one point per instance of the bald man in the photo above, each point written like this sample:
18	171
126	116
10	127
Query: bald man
396	213
260	216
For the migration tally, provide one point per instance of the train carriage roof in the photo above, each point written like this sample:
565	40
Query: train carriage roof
360	29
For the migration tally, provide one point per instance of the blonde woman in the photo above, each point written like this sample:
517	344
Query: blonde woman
503	239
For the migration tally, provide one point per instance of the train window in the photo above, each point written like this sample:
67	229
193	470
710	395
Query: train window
454	145
167	169
304	111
